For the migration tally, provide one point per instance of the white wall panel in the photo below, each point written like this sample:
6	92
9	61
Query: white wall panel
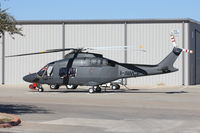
155	39
96	35
36	38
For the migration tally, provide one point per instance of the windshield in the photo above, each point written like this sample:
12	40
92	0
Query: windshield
42	71
46	70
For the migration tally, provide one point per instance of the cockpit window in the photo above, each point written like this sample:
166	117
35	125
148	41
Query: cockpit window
49	71
42	71
46	70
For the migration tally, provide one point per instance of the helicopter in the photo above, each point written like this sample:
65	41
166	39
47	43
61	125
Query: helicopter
82	68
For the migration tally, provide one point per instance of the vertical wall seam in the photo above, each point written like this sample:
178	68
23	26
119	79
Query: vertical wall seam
183	58
195	57
63	39
3	58
189	62
125	48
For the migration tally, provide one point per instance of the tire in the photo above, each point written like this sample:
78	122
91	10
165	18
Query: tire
54	87
115	87
91	90
71	86
40	90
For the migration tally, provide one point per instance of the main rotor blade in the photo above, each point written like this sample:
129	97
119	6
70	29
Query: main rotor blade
117	48
43	52
80	49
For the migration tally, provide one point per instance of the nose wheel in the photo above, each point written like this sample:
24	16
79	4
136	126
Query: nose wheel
94	89
36	87
40	90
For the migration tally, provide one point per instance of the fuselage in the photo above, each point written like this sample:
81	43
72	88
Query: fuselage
90	69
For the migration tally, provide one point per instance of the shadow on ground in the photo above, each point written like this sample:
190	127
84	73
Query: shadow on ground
116	91
145	91
22	109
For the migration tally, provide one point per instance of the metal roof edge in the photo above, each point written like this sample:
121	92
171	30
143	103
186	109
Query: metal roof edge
105	21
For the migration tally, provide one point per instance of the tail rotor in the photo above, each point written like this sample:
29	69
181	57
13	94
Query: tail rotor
175	45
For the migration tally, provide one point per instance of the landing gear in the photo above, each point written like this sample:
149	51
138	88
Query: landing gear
54	87
34	86
40	90
115	87
91	90
94	89
71	86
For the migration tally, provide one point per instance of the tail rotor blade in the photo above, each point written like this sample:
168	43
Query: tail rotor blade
173	40
175	45
188	51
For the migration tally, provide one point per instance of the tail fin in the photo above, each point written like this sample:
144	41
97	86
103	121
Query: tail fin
166	65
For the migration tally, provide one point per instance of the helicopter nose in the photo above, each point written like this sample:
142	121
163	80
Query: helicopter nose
30	78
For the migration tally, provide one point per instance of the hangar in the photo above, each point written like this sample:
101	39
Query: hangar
152	34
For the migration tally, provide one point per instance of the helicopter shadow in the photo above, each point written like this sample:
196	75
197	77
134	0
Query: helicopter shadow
117	91
149	91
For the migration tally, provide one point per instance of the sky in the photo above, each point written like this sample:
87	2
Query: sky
101	9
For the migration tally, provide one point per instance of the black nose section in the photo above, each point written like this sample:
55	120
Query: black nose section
30	78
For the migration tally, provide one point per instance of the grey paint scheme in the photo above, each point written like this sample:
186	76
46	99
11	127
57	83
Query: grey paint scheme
92	69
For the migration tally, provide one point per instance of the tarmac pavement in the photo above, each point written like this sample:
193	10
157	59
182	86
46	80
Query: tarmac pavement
153	109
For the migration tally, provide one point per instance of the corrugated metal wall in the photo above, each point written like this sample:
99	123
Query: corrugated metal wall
36	38
96	35
155	38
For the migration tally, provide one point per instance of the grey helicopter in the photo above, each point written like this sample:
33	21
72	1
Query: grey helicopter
82	68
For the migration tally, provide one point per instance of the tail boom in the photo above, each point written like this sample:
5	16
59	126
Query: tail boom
165	66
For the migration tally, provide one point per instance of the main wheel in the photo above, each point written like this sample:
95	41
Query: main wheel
91	90
71	86
115	87
54	87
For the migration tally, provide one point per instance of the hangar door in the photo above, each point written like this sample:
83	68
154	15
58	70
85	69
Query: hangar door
197	57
